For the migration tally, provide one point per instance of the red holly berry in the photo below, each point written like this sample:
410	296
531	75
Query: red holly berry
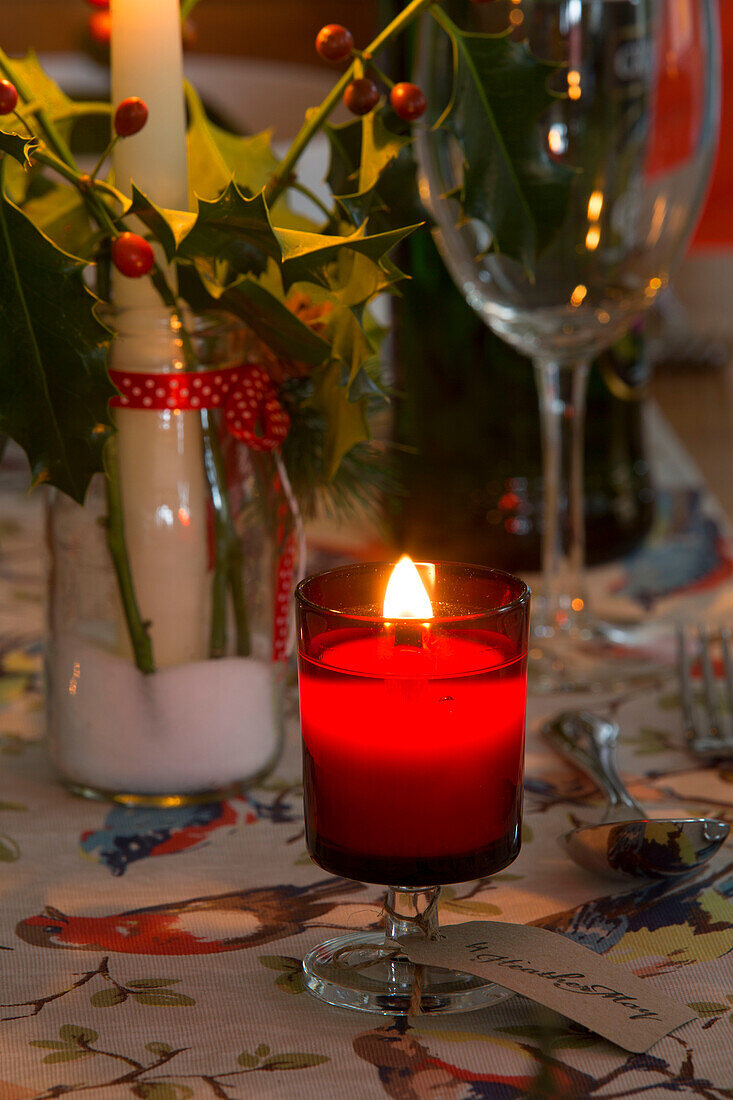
334	42
132	255
99	3
8	97
361	95
100	27
130	116
408	101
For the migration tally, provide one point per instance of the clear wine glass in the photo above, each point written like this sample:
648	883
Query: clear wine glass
412	717
562	201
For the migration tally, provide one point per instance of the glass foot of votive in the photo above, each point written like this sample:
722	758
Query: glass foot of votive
366	972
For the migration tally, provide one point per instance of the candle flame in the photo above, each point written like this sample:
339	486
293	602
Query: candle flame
406	596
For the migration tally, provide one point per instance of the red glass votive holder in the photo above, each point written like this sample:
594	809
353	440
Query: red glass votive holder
413	730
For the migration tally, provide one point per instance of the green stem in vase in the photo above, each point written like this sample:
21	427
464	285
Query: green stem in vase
267	474
215	475
138	629
239	597
228	557
316	117
227	554
218	635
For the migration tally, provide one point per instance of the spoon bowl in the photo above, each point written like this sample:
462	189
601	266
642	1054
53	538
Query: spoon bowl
626	844
652	849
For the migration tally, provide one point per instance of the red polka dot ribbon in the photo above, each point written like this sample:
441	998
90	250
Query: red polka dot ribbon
247	394
283	598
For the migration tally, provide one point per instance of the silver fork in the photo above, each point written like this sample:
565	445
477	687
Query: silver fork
708	729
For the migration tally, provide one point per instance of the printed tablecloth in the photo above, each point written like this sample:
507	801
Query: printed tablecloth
157	954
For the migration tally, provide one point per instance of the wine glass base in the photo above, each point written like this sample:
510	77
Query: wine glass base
366	972
600	656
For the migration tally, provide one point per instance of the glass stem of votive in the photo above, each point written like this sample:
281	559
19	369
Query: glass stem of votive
408	911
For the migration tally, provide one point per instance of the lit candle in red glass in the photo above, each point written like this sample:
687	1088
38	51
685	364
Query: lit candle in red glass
413	722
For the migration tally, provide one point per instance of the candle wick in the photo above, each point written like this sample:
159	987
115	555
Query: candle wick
408	633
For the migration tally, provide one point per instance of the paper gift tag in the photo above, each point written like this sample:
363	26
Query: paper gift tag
554	971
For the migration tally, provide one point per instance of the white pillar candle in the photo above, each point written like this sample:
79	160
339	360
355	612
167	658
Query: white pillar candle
164	490
147	61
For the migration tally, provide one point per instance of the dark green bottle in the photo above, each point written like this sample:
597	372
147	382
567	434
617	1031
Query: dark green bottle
467	430
466	425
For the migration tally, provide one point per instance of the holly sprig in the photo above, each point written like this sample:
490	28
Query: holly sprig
243	249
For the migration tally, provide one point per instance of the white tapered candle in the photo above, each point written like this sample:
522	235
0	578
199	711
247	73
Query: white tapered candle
164	491
147	61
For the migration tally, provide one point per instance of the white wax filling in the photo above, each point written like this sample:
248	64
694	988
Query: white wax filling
192	727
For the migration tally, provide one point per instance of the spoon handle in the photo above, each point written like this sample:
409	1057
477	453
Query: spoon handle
589	742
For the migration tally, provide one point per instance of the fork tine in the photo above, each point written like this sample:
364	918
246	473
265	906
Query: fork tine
708	679
685	677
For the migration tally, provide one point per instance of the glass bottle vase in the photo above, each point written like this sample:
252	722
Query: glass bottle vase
170	589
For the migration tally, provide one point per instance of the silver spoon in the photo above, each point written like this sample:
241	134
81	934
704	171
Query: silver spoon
626	844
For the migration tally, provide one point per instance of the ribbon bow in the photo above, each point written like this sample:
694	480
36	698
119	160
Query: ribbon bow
246	393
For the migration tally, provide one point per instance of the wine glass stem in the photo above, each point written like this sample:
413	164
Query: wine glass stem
562	386
408	911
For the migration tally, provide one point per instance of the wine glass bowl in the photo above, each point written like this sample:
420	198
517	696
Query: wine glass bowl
564	189
413	743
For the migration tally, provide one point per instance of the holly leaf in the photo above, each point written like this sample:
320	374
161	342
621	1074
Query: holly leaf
234	230
270	318
379	148
18	146
169	227
17	172
346	419
60	214
349	345
45	94
386	193
344	141
368	156
43	91
308	256
216	157
54	386
510	183
208	172
355	279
